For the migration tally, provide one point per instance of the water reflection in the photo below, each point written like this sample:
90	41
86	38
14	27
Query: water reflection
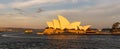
63	37
62	42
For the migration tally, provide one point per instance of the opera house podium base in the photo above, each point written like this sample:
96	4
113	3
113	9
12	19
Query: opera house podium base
51	31
66	33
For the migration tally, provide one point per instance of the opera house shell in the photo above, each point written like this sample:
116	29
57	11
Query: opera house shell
62	25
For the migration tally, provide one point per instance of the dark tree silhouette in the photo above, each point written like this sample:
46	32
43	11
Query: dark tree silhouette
115	27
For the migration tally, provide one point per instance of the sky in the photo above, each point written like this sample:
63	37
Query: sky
35	13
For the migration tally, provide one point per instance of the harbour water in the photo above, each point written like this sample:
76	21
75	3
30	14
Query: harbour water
21	41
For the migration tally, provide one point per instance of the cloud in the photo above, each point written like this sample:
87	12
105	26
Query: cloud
2	6
98	10
10	19
30	3
102	13
99	16
20	21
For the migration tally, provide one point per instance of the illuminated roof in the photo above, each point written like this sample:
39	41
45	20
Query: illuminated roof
63	23
56	23
50	24
73	25
84	27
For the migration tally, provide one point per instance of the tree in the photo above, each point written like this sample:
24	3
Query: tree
115	27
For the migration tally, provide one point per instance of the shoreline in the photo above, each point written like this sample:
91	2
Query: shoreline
118	33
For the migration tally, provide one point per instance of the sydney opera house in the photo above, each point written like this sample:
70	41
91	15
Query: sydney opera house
63	26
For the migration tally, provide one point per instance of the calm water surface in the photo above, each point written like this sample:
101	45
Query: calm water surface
61	42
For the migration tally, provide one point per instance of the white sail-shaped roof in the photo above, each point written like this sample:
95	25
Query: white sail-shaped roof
73	25
84	27
56	23
81	27
50	24
63	22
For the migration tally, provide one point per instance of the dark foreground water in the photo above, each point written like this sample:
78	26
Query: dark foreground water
17	41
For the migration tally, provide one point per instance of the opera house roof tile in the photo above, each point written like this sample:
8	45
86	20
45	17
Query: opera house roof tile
63	23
